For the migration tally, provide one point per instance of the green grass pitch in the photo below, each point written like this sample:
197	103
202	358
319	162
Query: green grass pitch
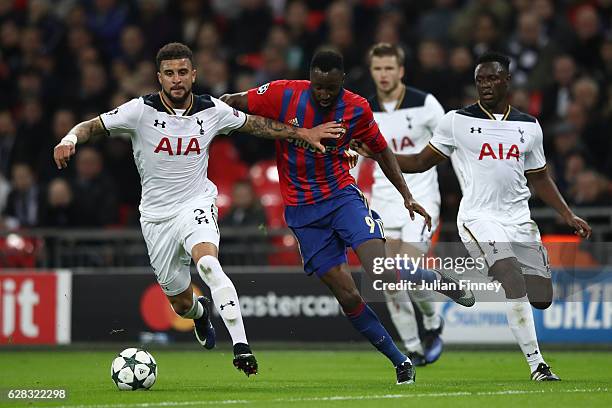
312	379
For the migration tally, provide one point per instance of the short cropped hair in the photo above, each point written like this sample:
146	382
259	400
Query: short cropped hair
327	60
172	51
386	50
493	56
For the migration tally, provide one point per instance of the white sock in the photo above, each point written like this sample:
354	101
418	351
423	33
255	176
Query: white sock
424	301
402	315
520	320
224	297
196	311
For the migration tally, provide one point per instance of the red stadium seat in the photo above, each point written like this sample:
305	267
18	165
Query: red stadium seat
18	251
224	163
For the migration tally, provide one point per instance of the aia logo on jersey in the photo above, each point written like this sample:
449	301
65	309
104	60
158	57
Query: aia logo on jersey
262	89
487	151
401	145
193	146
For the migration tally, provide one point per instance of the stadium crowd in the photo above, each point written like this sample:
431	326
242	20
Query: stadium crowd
63	61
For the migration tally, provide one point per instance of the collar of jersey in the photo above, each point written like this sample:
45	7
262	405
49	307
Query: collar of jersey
491	116
400	101
170	110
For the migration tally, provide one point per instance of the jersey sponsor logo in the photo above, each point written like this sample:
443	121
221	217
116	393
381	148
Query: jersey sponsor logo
401	145
235	112
294	122
487	151
307	146
262	89
113	112
158	123
192	147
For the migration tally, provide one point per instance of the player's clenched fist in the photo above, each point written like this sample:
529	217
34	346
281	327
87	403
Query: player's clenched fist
63	151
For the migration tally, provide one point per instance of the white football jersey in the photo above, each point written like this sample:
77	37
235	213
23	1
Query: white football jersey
407	129
491	156
171	150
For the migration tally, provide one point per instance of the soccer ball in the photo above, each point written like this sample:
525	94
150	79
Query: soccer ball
134	369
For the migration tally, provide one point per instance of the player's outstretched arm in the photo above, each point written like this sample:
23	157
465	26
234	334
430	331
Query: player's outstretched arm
80	133
546	189
408	163
236	100
271	129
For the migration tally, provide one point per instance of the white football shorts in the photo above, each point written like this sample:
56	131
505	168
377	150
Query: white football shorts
494	241
398	224
169	242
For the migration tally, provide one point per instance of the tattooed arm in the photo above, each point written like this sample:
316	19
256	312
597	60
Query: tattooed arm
80	133
271	129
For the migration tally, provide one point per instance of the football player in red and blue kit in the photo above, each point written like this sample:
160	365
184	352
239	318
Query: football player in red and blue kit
324	208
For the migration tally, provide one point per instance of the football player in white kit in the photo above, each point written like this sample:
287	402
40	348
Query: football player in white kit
407	118
171	132
497	151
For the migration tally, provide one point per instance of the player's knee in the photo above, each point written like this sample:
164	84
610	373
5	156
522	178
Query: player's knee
508	273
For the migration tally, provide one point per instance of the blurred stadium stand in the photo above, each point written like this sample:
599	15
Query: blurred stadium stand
63	61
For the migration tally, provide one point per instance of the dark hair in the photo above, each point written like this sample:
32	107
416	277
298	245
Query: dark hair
172	51
386	50
327	60
492	56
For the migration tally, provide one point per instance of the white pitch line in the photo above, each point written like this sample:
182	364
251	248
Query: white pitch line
336	398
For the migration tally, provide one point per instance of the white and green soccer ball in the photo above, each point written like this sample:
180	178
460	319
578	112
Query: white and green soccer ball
134	369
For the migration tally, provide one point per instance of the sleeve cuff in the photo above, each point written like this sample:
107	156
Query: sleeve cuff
539	169
435	149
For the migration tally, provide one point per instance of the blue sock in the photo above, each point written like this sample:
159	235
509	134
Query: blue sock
366	322
418	276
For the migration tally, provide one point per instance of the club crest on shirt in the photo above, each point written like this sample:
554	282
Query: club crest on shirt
262	89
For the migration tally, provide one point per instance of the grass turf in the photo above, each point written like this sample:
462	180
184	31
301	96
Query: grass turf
312	379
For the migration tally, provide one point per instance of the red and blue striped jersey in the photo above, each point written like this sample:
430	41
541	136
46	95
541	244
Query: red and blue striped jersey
306	175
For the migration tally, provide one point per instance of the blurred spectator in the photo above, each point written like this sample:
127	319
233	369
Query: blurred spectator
156	27
520	99
471	19
31	132
434	24
250	26
274	66
296	19
8	136
132	47
106	19
556	97
246	212
23	202
431	73
531	53
93	91
486	35
59	209
591	188
94	193
461	77
586	48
